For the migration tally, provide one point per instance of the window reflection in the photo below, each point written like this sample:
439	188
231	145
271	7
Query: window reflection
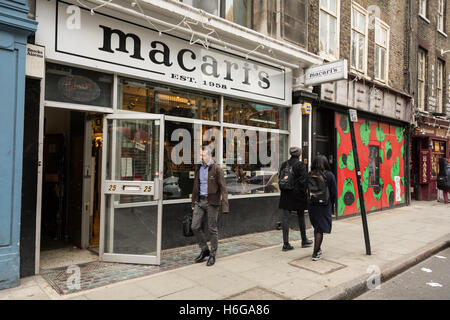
253	114
180	156
246	170
146	97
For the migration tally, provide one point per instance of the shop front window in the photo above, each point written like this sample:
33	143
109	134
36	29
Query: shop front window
255	115
79	86
182	146
437	152
251	160
147	97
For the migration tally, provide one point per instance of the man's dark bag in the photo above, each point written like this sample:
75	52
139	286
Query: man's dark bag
318	193
187	229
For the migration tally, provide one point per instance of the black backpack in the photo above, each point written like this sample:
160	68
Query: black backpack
286	180
318	193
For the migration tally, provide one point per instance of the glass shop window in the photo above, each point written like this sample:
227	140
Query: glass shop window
254	114
438	152
374	166
182	146
74	85
147	97
251	160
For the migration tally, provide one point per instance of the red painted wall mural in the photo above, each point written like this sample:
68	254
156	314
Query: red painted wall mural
381	158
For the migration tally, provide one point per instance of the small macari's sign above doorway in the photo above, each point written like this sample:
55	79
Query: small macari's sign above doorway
327	72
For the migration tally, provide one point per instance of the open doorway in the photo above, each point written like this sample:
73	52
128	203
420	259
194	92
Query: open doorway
70	212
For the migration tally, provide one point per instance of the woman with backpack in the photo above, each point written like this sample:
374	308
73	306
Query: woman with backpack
322	194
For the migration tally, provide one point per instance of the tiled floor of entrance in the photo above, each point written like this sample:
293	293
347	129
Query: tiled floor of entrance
97	274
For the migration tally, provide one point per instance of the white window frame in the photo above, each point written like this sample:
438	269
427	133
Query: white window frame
423	8
421	78
336	15
440	86
382	25
362	11
440	16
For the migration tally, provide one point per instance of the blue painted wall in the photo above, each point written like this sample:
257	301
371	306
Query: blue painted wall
14	30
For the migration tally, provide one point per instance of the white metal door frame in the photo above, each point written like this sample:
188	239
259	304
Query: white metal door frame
130	258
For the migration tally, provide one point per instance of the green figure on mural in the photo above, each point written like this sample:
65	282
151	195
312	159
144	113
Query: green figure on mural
365	133
345	125
347	197
378	190
399	134
388	149
395	170
380	134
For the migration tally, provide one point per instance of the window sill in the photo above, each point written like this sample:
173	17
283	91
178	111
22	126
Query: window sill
381	82
359	73
442	33
424	18
327	57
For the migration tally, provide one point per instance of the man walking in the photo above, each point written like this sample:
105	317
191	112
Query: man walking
209	192
292	180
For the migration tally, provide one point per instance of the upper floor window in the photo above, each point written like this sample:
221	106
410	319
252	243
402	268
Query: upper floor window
439	86
237	11
423	8
210	6
358	52
295	24
381	50
440	18
421	78
328	26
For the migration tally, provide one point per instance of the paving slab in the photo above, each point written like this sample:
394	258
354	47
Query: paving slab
197	293
166	284
257	293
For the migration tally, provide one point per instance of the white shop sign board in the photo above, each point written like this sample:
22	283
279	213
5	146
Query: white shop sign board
327	72
35	62
160	58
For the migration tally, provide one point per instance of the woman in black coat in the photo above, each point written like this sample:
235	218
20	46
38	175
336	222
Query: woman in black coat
294	200
320	216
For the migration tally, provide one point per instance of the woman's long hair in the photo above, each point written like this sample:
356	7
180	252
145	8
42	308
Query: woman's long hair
320	165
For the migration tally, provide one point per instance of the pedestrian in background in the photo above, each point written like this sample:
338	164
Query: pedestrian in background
292	181
322	193
208	194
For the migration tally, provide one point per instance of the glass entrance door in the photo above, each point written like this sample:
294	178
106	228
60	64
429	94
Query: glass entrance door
132	188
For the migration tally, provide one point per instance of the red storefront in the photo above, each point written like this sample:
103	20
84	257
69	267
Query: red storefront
430	141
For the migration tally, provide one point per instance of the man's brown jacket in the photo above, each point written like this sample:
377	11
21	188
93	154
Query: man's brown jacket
217	188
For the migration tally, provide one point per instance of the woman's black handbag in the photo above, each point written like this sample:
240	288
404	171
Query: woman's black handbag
187	229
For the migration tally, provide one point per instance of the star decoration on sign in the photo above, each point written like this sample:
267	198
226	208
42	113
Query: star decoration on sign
204	43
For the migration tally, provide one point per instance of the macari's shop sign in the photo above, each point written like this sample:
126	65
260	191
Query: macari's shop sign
119	45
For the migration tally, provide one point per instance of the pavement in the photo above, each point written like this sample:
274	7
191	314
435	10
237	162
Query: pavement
400	238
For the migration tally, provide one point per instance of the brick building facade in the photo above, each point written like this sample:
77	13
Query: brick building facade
429	80
377	87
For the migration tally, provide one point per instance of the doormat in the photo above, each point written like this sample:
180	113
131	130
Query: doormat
321	266
97	274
